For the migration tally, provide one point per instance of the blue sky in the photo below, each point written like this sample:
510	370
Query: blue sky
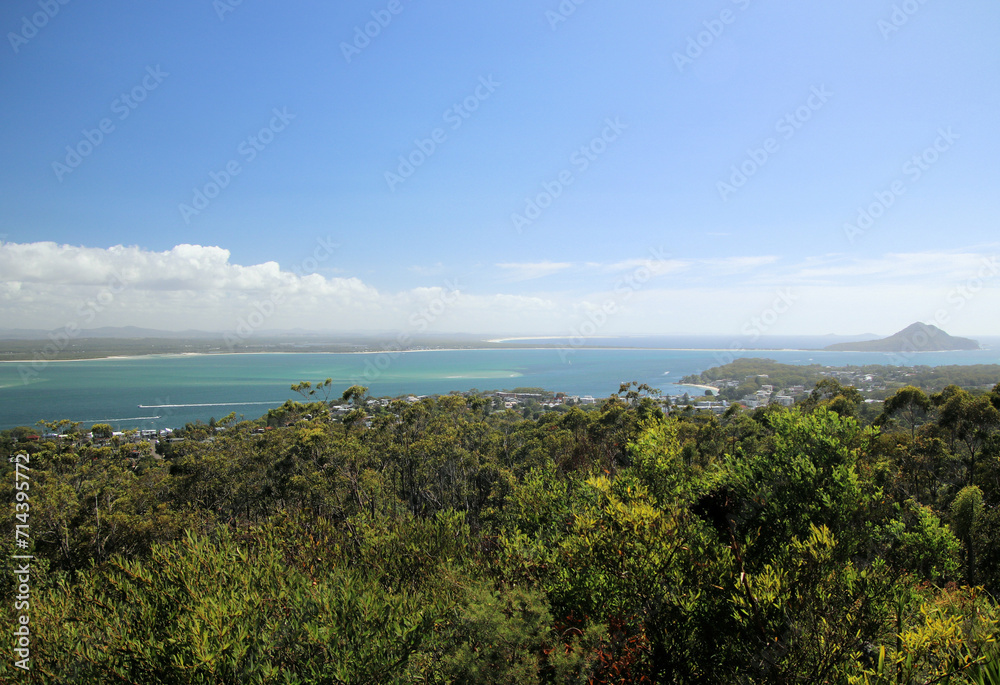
648	109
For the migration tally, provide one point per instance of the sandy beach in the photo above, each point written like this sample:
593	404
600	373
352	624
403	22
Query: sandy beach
701	387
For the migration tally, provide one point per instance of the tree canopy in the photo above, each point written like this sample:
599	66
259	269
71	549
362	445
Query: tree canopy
451	540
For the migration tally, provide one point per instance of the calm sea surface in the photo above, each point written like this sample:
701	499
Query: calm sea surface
169	391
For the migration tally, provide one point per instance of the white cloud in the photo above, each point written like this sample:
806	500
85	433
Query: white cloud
45	285
661	264
185	267
658	265
920	267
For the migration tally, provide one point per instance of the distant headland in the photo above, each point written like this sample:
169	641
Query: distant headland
917	337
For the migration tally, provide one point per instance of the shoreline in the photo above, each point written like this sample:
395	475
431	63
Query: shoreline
736	353
702	387
433	349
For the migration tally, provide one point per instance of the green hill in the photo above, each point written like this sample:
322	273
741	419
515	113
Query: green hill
917	337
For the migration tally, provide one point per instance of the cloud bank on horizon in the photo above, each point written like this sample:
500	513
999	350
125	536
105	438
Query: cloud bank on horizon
49	285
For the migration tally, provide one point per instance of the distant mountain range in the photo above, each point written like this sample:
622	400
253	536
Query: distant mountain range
137	333
917	337
121	332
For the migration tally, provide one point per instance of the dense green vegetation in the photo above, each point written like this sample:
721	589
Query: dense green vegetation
872	380
451	541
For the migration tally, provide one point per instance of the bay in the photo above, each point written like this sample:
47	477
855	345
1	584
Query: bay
167	391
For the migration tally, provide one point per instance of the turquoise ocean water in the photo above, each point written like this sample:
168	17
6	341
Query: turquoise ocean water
169	391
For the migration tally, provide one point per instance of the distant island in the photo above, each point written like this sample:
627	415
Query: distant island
917	337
